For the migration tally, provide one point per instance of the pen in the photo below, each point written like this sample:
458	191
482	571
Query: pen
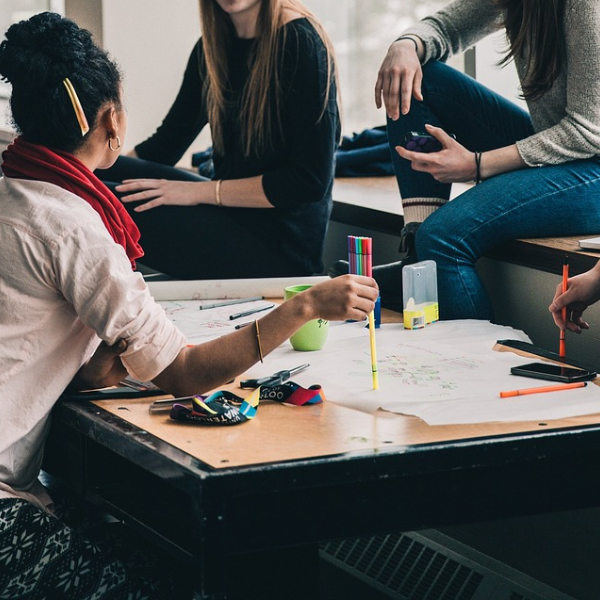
562	351
545	388
230	302
242	325
274	379
168	403
250	312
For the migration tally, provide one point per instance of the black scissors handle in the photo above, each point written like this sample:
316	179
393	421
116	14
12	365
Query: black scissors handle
275	379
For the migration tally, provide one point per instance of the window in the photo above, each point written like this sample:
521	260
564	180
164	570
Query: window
14	11
361	31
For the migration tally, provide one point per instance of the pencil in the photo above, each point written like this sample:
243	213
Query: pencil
250	312
545	388
562	351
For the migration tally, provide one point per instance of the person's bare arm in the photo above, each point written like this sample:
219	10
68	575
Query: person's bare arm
247	192
206	366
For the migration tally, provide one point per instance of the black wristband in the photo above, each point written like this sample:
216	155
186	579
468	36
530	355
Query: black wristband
412	39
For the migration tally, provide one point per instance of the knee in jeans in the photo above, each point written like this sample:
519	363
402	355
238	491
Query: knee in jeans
430	237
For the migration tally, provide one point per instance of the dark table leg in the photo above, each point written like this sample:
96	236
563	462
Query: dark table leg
286	573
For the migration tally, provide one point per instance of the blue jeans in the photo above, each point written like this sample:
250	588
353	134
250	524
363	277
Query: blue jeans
555	200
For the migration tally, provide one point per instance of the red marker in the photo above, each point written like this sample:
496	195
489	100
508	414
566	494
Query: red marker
562	352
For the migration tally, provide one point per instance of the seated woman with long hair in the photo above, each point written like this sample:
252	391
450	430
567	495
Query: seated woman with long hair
263	77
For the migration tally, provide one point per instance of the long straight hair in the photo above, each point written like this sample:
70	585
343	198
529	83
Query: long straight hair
535	28
263	88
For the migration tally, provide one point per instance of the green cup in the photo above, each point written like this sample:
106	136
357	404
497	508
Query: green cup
312	335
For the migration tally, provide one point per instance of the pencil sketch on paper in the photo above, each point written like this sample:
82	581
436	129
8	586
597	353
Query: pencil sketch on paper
201	325
420	370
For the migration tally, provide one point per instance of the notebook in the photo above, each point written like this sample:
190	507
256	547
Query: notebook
590	243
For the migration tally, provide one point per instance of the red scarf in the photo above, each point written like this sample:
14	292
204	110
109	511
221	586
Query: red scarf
23	160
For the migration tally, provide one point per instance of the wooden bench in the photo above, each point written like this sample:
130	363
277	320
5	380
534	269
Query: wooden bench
374	203
547	254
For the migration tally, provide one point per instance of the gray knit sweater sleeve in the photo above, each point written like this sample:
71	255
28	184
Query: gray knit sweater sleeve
456	27
567	118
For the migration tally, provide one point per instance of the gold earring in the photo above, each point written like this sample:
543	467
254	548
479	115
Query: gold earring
118	143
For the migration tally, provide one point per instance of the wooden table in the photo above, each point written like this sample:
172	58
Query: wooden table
246	506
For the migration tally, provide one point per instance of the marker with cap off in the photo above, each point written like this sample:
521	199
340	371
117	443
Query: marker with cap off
542	389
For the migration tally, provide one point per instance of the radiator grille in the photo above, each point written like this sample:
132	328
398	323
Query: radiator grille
430	566
407	567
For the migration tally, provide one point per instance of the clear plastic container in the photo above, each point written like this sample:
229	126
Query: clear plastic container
420	295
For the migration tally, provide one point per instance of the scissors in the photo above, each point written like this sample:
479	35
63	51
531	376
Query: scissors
274	379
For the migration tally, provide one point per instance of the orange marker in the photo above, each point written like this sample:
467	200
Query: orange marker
562	352
545	388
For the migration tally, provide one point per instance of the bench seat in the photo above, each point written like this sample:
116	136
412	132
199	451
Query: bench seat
374	203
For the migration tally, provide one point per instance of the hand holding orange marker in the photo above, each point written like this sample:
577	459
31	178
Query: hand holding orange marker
562	352
545	388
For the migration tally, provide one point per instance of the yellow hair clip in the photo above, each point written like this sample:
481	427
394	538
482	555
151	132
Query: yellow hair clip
83	123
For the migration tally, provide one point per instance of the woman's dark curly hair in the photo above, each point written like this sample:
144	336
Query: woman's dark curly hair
35	58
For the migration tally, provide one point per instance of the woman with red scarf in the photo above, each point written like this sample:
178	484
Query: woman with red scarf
74	312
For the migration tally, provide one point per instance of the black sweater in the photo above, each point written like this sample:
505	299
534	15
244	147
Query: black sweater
297	171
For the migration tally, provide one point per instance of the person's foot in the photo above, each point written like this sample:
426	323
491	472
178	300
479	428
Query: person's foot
388	277
407	238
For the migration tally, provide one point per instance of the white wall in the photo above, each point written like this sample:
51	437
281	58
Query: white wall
502	80
151	40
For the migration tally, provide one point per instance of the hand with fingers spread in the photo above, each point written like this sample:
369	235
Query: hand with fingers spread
583	291
162	192
399	78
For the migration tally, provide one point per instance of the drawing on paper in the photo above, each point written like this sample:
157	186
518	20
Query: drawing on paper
418	368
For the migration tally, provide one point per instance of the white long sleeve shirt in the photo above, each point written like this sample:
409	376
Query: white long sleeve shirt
64	286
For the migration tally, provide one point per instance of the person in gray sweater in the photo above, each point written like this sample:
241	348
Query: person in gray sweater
538	171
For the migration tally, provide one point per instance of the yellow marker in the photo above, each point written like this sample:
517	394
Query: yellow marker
373	350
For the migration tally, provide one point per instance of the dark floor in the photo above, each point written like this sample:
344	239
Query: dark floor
338	585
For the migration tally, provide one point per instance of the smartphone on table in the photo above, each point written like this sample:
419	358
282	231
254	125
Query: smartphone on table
553	372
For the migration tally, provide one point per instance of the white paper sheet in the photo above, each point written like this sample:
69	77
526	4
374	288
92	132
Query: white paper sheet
222	289
446	373
203	325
